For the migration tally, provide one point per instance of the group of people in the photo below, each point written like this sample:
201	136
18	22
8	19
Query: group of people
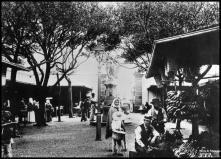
153	127
30	111
146	134
88	107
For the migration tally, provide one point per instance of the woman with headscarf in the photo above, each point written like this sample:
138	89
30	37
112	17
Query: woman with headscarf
31	113
115	106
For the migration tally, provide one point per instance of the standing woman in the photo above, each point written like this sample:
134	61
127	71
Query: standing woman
31	113
115	106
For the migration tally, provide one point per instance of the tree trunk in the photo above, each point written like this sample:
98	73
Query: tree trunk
195	124
70	102
47	74
42	92
14	70
13	75
178	121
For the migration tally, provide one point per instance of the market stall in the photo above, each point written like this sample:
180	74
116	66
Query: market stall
187	52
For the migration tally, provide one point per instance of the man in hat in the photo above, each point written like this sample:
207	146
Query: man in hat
145	136
158	114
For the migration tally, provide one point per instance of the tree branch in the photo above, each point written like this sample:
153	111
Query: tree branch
203	74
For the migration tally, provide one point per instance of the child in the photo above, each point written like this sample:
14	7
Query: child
118	132
6	135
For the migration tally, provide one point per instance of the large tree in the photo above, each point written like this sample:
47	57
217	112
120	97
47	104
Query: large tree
15	37
56	34
143	22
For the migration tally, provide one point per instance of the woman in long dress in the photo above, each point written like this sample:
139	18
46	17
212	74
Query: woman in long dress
31	113
115	106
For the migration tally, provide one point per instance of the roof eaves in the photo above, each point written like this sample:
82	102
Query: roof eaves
186	35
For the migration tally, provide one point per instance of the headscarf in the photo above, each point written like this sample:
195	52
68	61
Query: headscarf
110	116
113	103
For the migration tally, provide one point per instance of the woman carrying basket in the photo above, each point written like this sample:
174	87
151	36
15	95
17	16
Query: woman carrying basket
118	132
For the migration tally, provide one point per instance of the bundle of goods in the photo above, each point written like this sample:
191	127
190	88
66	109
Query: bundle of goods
194	147
187	149
182	104
167	143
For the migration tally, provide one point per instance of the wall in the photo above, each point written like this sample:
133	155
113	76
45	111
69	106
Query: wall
147	96
138	89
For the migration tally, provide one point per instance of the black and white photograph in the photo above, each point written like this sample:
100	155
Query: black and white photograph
110	79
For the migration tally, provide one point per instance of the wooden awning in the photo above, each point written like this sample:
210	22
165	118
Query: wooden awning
14	65
195	49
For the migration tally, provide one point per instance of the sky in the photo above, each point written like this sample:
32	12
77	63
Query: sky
88	73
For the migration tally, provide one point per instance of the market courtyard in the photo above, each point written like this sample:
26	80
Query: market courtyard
72	138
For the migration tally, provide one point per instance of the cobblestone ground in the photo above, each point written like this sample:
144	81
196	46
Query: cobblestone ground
72	138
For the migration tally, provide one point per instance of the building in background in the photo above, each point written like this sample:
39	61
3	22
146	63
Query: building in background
137	90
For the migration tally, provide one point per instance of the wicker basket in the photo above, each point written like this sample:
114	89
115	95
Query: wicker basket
117	136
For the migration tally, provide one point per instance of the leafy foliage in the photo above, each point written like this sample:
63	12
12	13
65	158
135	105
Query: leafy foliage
49	33
144	22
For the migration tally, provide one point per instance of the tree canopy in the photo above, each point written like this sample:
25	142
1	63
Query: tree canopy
42	32
144	22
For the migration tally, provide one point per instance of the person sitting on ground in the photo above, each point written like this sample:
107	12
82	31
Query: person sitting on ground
6	135
118	132
145	136
159	115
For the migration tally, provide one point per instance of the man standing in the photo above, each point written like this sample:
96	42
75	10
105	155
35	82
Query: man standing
85	105
93	107
49	110
145	135
158	114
